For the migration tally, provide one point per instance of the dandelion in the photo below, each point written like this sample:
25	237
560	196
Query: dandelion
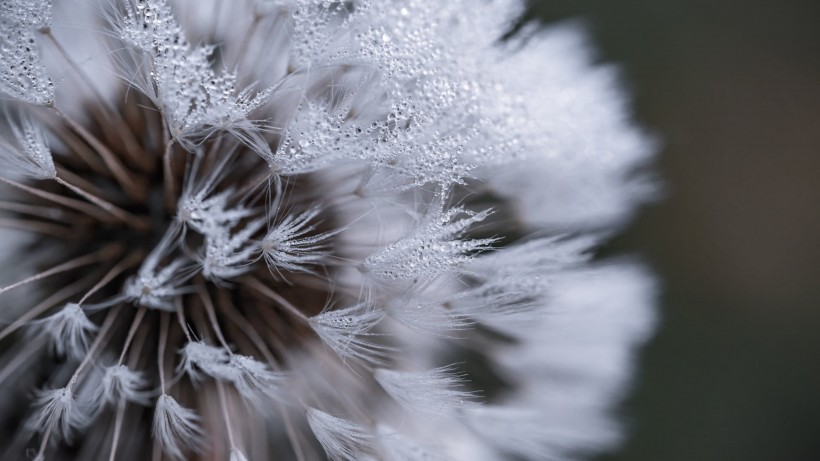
310	229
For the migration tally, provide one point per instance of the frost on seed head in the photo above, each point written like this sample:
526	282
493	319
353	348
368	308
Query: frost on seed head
432	393
24	148
292	244
228	255
176	428
516	280
205	213
59	413
428	317
342	440
345	331
320	31
22	73
198	358
194	99
155	286
432	248
69	330
414	164
120	383
251	378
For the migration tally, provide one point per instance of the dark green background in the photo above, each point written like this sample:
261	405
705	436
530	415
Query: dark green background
733	90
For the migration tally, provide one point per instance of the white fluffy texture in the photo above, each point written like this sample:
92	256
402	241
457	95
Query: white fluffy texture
194	99
197	356
154	285
514	281
58	412
432	248
402	112
23	75
574	365
69	330
24	150
346	331
292	244
120	383
230	254
432	393
396	447
430	317
582	135
342	440
176	428
206	212
252	378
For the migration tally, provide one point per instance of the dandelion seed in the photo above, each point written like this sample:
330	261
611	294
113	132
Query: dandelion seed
176	427
341	439
292	245
433	393
29	154
69	330
58	414
346	331
121	383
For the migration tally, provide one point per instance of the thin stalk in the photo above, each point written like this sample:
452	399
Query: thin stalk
118	212
261	288
65	201
169	185
50	213
60	295
110	115
92	351
111	161
209	309
224	405
131	260
66	266
39	227
163	341
131	332
117	428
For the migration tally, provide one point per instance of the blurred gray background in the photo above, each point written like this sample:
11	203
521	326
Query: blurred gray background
733	90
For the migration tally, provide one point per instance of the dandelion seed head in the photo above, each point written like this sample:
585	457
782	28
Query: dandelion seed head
310	229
